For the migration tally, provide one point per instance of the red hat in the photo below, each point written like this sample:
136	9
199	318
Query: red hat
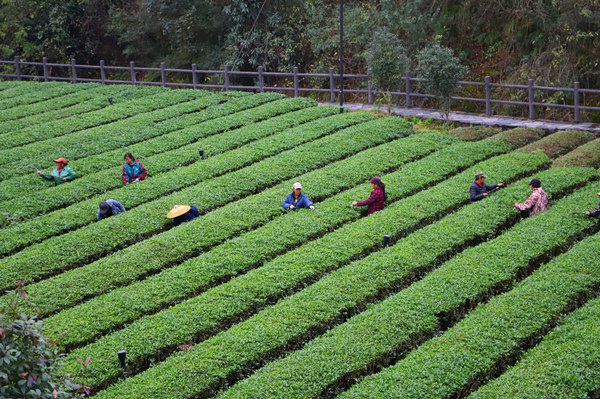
61	160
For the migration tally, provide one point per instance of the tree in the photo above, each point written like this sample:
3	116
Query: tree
441	71
386	62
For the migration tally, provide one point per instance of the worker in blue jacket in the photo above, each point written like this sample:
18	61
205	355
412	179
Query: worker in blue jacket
479	190
297	199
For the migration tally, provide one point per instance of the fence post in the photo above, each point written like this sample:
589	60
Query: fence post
73	70
296	91
102	72
576	101
369	92
194	76
226	77
18	67
331	86
531	99
132	72
488	96
408	90
45	62
163	74
261	80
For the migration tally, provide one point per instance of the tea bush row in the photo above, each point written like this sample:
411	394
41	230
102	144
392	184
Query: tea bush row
223	158
377	332
27	93
301	265
244	293
268	331
565	364
113	233
71	106
292	229
43	100
133	118
172	128
172	149
493	333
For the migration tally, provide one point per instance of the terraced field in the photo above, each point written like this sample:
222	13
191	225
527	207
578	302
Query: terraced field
251	301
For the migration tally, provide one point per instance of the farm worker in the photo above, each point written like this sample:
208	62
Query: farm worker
479	190
537	201
61	174
297	199
182	213
108	208
595	212
133	171
376	200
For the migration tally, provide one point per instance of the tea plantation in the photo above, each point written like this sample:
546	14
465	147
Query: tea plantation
251	301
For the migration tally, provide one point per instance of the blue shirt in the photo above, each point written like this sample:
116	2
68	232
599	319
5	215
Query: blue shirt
115	207
301	202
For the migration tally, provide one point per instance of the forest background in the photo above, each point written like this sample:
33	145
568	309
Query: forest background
554	42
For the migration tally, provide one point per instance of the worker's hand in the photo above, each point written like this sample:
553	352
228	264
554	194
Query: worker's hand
354	203
64	179
39	172
136	180
500	184
587	213
312	207
292	207
516	205
485	194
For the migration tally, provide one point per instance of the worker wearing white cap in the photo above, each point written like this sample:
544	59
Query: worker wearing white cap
297	199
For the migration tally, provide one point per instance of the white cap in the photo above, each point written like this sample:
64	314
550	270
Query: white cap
297	185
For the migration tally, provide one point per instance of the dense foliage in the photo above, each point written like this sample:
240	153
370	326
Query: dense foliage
554	42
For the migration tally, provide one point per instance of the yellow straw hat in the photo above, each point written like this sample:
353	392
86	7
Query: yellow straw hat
178	210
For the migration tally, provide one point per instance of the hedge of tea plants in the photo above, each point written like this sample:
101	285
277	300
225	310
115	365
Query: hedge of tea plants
250	300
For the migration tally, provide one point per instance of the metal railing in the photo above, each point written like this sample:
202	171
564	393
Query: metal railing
296	84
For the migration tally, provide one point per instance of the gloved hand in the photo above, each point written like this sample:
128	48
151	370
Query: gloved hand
292	207
312	207
136	180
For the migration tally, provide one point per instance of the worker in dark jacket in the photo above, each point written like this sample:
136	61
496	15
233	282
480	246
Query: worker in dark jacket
297	199
108	208
183	213
479	190
133	171
61	174
596	212
376	200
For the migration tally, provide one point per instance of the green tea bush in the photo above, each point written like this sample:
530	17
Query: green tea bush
585	155
560	143
565	364
474	133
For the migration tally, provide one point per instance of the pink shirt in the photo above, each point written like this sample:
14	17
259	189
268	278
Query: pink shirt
537	202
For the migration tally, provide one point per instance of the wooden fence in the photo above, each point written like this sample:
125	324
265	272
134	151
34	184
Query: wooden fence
527	97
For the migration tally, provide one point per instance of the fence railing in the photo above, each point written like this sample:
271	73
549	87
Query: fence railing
527	100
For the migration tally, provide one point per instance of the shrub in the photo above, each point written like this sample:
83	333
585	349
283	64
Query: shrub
441	72
27	359
560	143
586	155
474	133
519	137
